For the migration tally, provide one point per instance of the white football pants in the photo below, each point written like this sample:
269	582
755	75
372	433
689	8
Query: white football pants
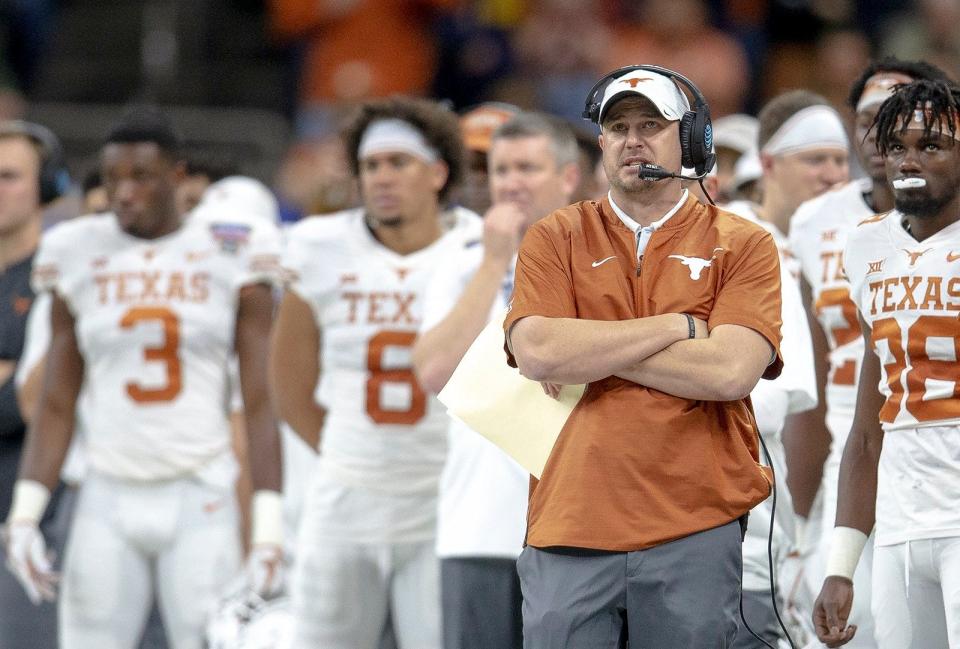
916	594
179	539
341	593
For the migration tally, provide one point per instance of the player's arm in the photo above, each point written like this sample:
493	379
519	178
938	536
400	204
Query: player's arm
254	316
28	393
856	505
440	349
723	366
295	368
806	439
47	441
49	437
570	351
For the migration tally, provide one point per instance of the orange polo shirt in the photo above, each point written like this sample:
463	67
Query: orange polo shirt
634	467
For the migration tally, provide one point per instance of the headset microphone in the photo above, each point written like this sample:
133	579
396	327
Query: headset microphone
647	171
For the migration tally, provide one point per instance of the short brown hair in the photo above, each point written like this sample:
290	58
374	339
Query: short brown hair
437	123
781	108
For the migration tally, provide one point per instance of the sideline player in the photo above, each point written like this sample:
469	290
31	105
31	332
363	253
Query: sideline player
146	313
900	468
534	170
818	235
32	175
341	363
803	153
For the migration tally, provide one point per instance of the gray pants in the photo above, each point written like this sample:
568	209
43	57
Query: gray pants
481	603
679	595
759	614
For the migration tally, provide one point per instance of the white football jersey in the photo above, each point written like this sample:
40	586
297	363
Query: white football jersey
155	323
908	292
381	430
818	236
748	210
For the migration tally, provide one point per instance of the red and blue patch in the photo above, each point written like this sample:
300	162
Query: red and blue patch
230	236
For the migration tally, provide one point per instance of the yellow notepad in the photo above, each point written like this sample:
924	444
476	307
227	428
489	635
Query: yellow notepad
510	410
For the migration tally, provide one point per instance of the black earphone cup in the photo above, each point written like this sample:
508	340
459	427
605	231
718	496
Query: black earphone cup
702	150
687	126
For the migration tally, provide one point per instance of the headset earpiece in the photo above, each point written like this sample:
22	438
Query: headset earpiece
54	178
687	137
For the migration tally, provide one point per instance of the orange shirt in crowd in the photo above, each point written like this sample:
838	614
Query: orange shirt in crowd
357	49
634	467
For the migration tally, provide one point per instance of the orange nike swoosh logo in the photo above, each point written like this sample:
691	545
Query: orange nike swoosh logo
952	257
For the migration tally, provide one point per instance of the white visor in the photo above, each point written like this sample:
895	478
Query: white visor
661	90
815	127
398	136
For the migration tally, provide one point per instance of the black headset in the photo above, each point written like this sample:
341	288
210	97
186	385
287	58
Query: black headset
696	129
54	176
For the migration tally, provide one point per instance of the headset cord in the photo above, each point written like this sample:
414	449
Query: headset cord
705	192
773	585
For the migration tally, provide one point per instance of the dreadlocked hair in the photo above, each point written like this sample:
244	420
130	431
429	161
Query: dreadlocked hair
938	101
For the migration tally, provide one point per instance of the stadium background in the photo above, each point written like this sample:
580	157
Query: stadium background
262	83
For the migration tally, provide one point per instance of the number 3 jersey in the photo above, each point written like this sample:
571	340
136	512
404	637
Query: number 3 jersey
381	431
155	323
908	292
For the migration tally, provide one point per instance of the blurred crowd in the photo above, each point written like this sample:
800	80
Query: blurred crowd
534	54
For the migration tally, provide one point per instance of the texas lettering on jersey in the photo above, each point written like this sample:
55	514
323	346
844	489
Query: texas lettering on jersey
381	308
152	286
913	293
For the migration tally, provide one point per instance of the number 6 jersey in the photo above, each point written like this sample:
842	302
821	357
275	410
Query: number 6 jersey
155	321
908	292
381	429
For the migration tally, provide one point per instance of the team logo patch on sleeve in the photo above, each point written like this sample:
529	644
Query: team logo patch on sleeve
230	236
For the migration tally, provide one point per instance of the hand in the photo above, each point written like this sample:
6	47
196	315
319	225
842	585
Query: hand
831	610
29	561
265	570
503	227
552	390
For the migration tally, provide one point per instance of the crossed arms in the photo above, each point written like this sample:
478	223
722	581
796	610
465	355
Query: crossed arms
723	364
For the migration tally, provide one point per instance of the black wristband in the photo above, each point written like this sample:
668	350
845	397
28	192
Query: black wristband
692	327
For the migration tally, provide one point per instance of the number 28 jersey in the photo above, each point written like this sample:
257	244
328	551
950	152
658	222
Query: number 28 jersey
381	429
154	322
908	291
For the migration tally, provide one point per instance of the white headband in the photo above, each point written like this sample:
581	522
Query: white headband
395	135
879	88
816	127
